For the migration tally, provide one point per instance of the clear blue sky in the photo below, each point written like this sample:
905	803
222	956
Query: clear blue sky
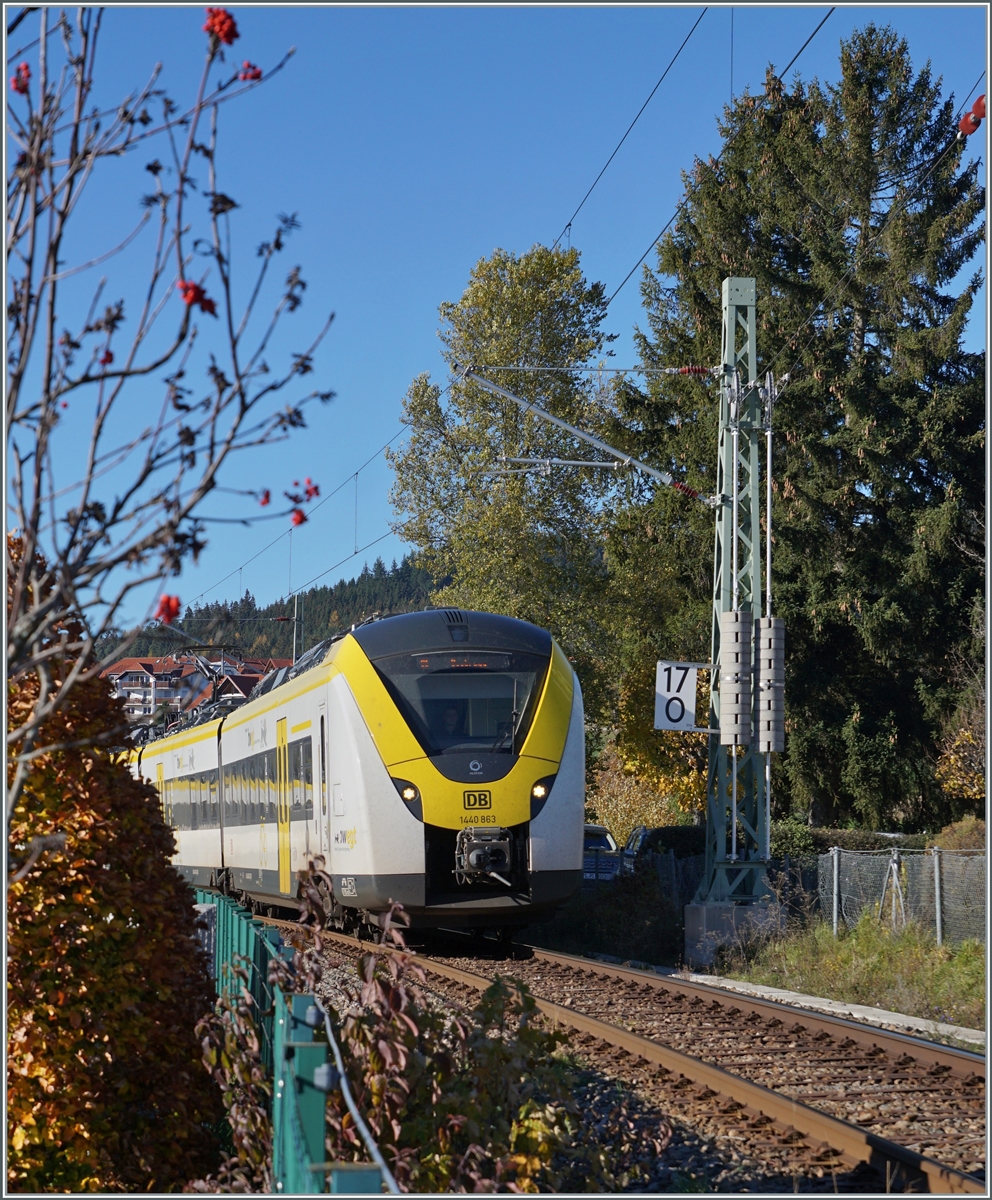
413	141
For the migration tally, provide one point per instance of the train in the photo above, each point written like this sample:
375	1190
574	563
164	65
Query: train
434	759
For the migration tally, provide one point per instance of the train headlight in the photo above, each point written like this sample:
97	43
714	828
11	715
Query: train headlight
410	795
539	794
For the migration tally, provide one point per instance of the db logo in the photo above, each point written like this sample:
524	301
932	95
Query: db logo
478	799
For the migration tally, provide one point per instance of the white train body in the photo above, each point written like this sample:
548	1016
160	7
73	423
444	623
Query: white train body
441	770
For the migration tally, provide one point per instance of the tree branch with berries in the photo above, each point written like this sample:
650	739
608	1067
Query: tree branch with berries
132	515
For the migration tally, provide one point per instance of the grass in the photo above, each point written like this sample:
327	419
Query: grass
628	919
903	971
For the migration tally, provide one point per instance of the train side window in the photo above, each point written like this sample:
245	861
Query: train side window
249	800
306	746
193	789
295	781
241	790
273	795
214	806
323	770
182	802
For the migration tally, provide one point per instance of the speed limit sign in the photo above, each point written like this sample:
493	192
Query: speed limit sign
675	696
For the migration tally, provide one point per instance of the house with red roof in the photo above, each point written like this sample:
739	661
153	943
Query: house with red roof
184	681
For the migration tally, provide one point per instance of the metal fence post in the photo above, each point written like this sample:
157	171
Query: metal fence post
835	854
937	896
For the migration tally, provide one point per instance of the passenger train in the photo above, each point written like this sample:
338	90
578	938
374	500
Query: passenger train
435	758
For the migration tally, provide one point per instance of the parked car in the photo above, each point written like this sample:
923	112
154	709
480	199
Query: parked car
601	857
642	843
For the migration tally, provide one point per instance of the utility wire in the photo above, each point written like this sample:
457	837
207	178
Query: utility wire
344	483
681	205
360	550
629	128
330	495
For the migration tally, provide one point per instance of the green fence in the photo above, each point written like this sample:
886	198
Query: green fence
296	1063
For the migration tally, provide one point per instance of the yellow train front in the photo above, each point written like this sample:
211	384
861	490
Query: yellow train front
436	759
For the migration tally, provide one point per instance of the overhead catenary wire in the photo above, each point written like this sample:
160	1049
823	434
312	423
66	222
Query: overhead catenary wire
568	224
330	495
352	476
737	132
611	370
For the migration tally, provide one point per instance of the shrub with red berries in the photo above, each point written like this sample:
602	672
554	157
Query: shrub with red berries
19	81
220	25
168	609
193	293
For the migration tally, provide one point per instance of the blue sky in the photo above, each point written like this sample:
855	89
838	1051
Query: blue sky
413	141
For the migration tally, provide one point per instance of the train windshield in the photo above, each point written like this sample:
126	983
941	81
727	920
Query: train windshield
466	701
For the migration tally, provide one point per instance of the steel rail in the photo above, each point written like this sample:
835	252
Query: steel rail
851	1143
960	1062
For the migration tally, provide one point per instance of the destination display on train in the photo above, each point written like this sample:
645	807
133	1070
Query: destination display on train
471	661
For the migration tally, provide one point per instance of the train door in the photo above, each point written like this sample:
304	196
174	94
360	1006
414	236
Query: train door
282	804
160	784
323	816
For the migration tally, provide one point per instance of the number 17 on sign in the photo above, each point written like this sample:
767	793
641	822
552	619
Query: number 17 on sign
675	696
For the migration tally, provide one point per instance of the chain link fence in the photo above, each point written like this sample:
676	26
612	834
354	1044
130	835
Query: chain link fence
942	890
679	877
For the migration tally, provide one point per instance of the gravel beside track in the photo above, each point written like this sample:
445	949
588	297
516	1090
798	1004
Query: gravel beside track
663	1135
931	1109
931	1102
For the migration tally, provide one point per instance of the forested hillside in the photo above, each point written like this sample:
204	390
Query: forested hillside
265	632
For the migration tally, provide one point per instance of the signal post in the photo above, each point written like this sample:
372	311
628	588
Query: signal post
746	715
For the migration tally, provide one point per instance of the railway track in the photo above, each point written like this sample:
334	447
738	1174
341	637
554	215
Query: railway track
808	1095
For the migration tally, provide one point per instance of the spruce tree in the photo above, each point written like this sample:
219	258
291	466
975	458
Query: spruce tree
858	211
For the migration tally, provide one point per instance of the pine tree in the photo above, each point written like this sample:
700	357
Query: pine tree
852	207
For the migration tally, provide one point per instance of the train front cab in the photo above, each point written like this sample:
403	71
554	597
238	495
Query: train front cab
457	749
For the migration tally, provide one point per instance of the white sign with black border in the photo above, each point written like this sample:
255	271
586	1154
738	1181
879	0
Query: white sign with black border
675	696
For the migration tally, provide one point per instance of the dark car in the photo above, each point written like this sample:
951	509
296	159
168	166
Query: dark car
641	844
601	854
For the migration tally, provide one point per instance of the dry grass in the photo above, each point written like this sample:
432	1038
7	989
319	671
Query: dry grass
904	971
